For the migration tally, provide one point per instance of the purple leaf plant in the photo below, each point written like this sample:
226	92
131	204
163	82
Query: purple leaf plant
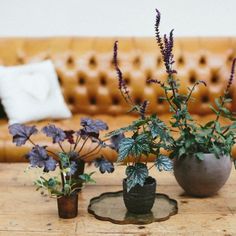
67	159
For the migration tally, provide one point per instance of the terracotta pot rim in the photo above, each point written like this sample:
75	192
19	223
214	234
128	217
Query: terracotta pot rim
68	196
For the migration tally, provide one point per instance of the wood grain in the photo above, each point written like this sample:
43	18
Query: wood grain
25	212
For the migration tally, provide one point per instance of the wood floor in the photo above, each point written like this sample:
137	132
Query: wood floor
25	212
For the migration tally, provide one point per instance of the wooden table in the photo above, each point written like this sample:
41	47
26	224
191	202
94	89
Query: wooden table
24	212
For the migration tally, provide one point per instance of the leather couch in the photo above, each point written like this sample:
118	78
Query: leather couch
89	84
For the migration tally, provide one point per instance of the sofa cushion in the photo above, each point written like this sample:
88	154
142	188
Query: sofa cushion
10	153
32	92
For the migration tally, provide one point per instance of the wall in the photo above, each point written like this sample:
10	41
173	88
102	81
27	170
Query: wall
116	17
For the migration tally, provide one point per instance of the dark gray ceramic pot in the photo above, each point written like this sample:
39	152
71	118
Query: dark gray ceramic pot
202	178
140	199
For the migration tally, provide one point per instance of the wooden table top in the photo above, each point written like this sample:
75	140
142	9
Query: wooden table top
25	212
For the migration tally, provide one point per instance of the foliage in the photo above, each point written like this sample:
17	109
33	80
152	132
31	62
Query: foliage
66	160
194	139
148	136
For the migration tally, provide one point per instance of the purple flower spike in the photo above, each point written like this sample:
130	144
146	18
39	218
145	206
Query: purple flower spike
57	134
166	47
21	133
143	108
230	81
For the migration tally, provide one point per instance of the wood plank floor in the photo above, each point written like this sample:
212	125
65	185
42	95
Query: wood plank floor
24	212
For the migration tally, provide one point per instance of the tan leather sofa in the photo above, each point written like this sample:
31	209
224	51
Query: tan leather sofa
89	84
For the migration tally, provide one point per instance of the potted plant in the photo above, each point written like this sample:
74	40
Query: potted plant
148	135
64	185
201	152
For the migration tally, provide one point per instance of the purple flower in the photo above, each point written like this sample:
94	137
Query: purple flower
122	84
166	47
69	136
104	165
231	74
143	109
73	168
21	133
91	126
154	81
38	157
57	134
73	155
115	141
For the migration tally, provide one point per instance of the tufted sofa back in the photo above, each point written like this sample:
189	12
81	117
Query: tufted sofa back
88	78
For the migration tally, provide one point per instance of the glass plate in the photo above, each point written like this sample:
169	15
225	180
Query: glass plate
110	207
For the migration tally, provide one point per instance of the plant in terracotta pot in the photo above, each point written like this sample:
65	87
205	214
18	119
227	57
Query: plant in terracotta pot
64	185
201	152
145	136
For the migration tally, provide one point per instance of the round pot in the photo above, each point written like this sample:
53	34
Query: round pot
68	206
140	200
202	178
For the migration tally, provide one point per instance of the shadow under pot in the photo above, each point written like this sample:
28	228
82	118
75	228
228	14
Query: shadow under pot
68	206
202	178
140	199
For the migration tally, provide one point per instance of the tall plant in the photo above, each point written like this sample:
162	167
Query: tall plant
67	159
194	139
148	136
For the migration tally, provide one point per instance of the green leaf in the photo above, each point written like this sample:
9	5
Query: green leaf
163	163
218	128
213	109
135	146
200	156
225	110
125	148
217	102
228	100
209	124
158	129
182	151
216	150
87	178
141	145
134	126
136	175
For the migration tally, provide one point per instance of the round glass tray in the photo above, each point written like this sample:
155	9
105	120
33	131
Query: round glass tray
110	207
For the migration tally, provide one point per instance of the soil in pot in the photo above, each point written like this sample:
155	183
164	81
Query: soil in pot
140	199
202	178
68	206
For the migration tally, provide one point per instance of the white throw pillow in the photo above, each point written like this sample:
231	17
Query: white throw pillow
31	93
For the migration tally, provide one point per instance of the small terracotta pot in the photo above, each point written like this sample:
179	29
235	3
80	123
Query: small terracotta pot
140	200
68	206
202	178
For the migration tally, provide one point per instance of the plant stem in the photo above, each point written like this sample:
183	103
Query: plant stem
60	145
62	176
91	152
86	139
77	142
